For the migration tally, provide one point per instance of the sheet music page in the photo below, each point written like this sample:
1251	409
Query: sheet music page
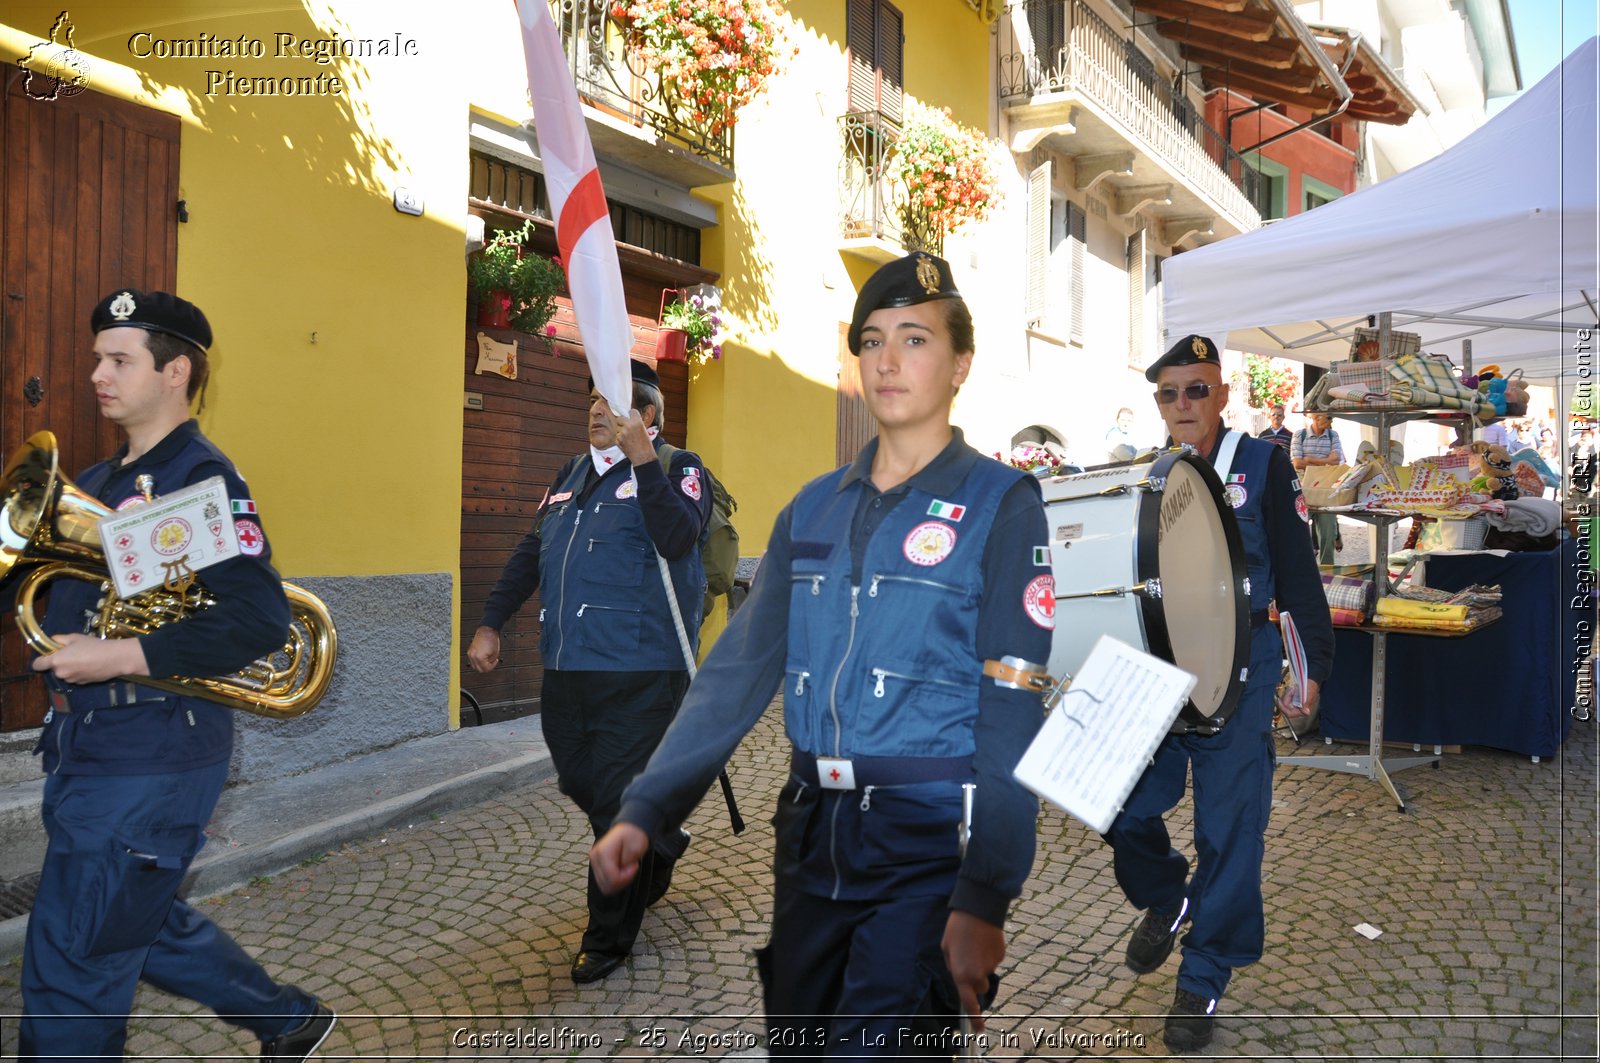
1295	651
1099	738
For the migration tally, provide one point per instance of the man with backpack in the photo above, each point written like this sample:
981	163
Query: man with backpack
621	524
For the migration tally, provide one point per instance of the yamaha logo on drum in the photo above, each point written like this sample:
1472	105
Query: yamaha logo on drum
1173	505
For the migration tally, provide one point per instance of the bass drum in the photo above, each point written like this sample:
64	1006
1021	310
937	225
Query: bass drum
1150	553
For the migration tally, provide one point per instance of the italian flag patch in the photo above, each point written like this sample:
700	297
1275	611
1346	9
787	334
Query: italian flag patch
946	510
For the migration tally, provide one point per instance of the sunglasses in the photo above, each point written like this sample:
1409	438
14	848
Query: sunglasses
1194	393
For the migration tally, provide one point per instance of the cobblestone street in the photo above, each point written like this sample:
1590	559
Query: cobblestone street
445	938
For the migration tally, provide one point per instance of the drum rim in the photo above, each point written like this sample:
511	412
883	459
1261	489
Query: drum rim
1153	610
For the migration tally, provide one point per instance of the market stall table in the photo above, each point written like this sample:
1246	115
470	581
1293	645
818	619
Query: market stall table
1508	686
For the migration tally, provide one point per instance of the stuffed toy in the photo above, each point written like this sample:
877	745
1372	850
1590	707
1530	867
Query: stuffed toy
1496	478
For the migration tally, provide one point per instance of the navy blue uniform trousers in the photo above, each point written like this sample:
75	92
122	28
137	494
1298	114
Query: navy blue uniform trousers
601	728
862	979
107	915
1232	799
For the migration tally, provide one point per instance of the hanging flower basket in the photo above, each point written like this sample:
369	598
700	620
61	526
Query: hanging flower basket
946	175
689	328
672	344
713	56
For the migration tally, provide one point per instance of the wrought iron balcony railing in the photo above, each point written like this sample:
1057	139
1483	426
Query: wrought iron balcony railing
866	200
1053	46
611	76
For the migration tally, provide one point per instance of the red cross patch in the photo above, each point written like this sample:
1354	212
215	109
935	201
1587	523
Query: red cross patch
251	539
1039	601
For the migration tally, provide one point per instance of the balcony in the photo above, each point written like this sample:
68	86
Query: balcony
1071	82
634	115
874	222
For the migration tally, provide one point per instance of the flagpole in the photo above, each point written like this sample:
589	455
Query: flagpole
583	221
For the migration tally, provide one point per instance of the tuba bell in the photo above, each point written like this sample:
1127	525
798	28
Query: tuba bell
49	530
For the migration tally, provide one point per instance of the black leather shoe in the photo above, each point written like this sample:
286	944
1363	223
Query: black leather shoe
300	1042
593	966
1151	943
1191	1022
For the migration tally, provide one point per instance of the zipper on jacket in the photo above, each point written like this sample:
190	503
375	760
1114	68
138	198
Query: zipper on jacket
844	658
872	589
815	581
565	558
884	673
833	711
800	683
866	798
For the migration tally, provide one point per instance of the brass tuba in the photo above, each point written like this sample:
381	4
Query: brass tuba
50	528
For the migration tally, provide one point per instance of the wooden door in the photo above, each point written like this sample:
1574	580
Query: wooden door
88	203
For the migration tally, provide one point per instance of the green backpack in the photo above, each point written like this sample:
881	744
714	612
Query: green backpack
719	543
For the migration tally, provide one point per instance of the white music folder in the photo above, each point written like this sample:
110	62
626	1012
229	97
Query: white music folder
1099	738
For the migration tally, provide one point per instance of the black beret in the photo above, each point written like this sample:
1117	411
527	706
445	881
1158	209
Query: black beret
153	312
1190	350
642	374
917	278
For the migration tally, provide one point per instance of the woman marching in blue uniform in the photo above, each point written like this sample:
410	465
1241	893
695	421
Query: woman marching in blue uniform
885	587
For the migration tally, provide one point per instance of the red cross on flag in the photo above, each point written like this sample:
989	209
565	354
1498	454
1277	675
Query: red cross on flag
583	223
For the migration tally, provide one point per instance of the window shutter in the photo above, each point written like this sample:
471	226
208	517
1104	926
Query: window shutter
1038	265
891	52
1136	286
863	59
1077	232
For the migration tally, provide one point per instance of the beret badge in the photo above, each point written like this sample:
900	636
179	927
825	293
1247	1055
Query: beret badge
1198	346
928	275
123	306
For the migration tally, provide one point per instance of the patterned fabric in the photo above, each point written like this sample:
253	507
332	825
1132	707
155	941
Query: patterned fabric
1348	592
1425	381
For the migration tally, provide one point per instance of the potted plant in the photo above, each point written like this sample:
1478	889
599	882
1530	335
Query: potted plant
946	176
713	56
689	330
515	286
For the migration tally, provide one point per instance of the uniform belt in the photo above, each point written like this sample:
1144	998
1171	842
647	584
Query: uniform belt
100	696
888	771
1258	620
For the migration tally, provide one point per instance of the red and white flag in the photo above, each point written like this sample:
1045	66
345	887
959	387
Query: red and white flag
583	223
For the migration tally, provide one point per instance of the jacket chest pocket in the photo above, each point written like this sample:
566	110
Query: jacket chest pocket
612	561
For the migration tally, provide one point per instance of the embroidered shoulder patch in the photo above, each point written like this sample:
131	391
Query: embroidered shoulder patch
1039	601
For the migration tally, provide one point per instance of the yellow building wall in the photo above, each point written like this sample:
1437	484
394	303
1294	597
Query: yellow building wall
336	382
764	417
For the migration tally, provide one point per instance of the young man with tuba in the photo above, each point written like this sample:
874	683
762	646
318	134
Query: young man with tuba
133	772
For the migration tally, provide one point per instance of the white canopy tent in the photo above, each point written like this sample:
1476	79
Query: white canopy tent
1493	241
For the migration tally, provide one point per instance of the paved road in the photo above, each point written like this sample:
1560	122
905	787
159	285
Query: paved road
437	939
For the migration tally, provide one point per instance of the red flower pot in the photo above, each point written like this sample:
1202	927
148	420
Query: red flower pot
494	310
672	345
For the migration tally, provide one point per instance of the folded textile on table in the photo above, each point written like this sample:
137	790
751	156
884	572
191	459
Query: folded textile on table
1536	516
1475	619
1347	617
1412	610
1476	595
1423	381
